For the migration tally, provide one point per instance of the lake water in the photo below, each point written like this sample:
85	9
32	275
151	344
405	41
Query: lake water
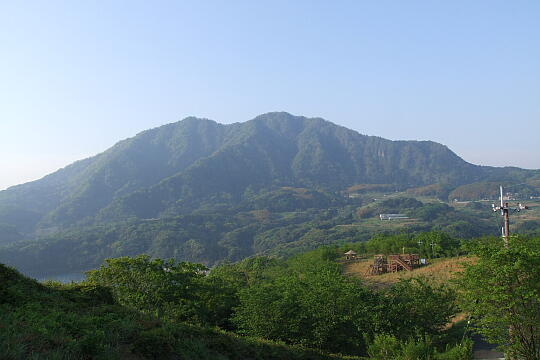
63	278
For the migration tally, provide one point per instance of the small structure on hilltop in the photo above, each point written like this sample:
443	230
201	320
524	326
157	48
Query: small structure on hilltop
393	263
350	255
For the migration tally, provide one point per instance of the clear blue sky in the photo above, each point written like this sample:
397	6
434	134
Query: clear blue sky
77	76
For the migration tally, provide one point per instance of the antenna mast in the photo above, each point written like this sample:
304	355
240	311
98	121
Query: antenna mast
505	214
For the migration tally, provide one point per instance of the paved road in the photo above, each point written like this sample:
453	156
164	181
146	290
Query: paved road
484	350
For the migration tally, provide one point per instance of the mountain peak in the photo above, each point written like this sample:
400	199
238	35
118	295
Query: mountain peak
281	115
194	119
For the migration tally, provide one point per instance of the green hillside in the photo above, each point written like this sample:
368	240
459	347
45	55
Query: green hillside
260	308
201	191
83	321
194	163
308	306
279	223
275	223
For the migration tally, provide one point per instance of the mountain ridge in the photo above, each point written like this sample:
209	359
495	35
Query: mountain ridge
172	169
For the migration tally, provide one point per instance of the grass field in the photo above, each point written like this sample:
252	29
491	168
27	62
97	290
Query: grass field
437	271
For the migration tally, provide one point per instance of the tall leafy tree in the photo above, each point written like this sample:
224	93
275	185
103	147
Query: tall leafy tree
415	307
502	293
311	305
154	286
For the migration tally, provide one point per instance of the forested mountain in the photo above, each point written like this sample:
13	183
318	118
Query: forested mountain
197	163
201	191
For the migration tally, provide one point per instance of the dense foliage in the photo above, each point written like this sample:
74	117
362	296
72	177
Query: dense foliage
386	347
307	301
156	308
502	293
214	237
154	287
85	321
308	304
304	301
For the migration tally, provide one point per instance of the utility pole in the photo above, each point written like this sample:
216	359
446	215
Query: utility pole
505	214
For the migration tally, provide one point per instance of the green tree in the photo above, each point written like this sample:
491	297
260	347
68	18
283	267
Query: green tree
312	306
385	347
153	286
415	307
502	293
436	244
390	244
222	286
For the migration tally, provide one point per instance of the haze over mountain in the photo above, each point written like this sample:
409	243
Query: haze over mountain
198	163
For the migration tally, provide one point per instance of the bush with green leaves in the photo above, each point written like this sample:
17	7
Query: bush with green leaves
310	305
153	286
415	307
55	321
386	347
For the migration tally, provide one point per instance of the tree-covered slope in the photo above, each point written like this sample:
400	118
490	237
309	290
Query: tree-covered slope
275	223
85	321
81	189
195	163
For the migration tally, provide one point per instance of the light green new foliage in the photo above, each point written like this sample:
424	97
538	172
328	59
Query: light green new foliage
310	304
502	293
417	307
386	347
158	287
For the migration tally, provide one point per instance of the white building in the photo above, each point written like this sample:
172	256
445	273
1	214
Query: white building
393	216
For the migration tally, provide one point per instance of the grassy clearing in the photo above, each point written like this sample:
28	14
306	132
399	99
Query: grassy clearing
438	271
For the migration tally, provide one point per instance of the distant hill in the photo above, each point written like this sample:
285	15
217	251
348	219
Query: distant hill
200	164
490	190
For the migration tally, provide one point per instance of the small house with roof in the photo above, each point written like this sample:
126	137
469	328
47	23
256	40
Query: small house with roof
350	255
